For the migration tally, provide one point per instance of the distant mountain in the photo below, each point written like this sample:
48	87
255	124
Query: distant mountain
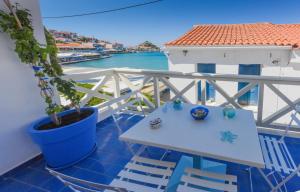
147	46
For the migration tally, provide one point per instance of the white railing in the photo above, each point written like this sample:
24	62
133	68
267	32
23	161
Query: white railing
119	80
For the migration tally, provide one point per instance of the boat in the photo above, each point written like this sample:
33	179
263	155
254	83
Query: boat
75	57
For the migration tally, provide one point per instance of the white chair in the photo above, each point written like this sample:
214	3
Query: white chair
278	158
139	175
195	180
129	103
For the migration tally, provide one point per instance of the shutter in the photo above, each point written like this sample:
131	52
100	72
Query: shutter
251	97
210	91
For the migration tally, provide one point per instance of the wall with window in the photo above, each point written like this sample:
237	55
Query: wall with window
20	99
272	61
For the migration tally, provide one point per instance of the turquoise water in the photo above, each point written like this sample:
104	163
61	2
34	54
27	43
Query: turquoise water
154	60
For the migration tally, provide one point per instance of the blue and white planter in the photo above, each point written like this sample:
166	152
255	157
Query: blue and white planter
67	145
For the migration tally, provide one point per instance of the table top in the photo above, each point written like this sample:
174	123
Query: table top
180	132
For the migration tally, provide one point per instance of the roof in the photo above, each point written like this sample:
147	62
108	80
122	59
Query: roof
258	34
75	45
60	39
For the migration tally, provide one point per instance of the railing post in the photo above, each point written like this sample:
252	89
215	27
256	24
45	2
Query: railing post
156	91
203	91
260	104
117	91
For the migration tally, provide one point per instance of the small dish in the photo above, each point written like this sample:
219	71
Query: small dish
155	123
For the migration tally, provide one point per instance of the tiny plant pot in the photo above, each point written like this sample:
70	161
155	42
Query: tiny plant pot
66	145
177	104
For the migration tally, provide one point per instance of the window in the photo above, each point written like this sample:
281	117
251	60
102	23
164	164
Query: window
210	91
251	97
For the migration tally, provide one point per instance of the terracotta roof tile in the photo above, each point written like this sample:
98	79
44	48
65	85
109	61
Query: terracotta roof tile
75	45
241	34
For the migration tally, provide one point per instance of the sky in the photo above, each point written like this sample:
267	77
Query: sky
163	21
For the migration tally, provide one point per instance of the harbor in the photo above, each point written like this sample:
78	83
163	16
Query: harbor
74	48
142	60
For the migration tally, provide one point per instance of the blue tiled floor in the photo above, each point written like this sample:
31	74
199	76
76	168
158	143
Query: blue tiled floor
109	158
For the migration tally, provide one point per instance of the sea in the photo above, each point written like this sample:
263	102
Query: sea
144	60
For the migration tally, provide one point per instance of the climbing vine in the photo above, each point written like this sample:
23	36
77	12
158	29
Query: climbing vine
42	58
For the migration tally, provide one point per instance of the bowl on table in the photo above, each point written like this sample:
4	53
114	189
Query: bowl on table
199	113
155	123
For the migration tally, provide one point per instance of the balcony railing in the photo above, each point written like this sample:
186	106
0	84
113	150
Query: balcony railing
284	91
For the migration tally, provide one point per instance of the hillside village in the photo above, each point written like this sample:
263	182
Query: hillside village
65	40
75	48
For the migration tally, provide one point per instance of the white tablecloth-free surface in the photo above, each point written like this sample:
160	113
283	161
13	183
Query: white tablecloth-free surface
180	132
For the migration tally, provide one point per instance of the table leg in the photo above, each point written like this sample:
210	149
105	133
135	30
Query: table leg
250	178
141	150
197	162
193	162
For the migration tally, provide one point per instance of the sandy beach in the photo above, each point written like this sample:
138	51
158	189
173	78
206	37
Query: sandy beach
68	69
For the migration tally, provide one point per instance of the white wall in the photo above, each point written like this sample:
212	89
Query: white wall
20	102
291	91
227	60
182	83
230	87
229	56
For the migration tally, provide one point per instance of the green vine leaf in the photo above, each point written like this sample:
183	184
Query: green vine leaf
31	52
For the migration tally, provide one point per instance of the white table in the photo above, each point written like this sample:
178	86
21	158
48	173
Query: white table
180	132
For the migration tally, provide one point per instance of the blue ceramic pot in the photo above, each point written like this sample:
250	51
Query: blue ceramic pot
228	112
177	106
65	146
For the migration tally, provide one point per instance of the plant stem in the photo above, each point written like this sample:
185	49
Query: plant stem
55	119
9	6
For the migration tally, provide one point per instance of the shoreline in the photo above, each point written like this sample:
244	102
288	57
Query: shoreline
67	69
150	61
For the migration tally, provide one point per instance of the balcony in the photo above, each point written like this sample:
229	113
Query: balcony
123	84
111	90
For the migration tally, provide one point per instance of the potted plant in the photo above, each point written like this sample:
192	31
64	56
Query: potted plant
68	133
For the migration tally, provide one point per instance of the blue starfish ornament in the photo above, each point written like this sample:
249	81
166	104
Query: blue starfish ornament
228	136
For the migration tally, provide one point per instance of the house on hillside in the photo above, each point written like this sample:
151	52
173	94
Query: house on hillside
64	35
114	47
246	49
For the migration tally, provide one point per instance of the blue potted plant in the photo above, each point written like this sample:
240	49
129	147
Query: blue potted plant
68	133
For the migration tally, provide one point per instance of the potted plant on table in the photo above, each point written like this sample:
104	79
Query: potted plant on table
67	134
